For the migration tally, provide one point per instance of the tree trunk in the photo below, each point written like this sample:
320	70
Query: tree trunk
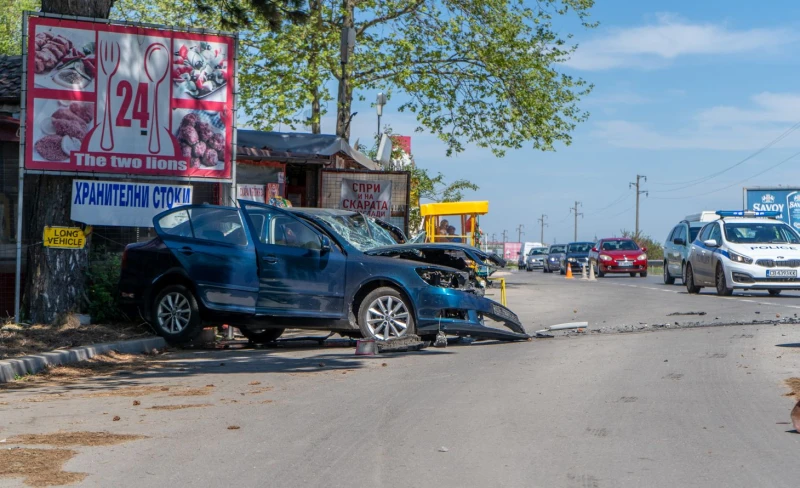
55	278
345	98
315	12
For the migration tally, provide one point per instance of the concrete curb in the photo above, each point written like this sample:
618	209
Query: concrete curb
12	368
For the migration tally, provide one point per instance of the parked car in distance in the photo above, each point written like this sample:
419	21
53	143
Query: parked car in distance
536	258
524	250
618	255
555	254
679	242
262	269
576	256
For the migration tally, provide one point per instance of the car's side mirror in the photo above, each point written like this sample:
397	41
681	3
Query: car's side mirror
711	243
325	245
644	249
594	249
679	241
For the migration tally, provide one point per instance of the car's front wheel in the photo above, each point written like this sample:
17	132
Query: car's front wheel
774	292
263	336
689	280
385	314
643	274
722	285
668	278
176	316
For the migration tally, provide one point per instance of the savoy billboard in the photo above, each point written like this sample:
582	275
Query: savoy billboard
783	200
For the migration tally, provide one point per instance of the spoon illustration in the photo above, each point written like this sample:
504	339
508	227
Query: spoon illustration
156	67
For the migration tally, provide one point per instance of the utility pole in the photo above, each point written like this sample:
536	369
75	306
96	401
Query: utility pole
575	211
520	233
543	225
505	237
638	193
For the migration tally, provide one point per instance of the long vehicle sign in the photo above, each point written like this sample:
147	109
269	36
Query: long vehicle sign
108	98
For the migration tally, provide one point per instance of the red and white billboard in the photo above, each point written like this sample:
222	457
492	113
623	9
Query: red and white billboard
107	98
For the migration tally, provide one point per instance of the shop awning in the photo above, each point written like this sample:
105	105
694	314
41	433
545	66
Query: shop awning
296	147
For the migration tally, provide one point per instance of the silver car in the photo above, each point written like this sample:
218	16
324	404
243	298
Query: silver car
555	254
536	258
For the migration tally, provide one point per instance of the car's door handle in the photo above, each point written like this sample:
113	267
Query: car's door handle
270	259
187	250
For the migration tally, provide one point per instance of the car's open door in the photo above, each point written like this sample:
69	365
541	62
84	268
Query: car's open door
216	253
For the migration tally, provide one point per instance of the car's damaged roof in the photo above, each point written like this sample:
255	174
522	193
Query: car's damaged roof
479	256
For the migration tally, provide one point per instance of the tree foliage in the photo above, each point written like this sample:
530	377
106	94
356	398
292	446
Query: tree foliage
481	72
655	251
11	25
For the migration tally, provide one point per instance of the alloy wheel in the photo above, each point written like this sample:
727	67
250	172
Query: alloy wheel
174	313
387	318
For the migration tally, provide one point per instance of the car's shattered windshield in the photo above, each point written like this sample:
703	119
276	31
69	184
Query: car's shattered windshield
359	231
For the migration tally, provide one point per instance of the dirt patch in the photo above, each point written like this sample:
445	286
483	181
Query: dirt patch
21	340
38	467
64	439
262	389
109	364
191	392
180	407
126	392
794	386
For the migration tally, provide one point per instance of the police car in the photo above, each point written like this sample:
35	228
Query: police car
747	250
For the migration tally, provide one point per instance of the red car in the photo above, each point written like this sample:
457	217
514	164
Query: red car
619	255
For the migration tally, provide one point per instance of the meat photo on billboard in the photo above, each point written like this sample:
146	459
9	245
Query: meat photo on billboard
201	135
200	70
60	127
64	59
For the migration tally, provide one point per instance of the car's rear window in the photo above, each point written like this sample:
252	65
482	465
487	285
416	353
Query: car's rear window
693	231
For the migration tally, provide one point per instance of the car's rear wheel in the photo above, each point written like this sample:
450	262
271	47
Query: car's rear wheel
774	292
385	314
668	279
689	281
722	285
176	316
262	336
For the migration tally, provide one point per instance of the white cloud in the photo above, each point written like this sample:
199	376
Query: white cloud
769	108
722	127
655	45
622	133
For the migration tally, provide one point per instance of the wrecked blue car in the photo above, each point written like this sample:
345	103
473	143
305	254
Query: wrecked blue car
263	269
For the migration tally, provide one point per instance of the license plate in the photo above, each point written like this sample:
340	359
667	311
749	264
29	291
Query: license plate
782	273
625	264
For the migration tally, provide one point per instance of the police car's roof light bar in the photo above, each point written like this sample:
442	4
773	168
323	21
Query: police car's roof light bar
748	213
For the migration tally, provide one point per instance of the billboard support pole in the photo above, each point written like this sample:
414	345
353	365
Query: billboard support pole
234	110
21	181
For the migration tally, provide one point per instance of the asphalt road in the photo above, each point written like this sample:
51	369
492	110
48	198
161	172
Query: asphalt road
702	406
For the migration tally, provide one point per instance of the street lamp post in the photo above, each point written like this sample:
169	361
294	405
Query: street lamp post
379	103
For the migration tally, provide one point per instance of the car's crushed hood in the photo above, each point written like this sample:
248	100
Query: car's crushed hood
422	251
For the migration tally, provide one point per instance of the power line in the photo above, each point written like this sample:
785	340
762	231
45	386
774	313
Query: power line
703	179
615	202
736	183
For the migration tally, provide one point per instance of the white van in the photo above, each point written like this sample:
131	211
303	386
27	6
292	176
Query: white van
524	250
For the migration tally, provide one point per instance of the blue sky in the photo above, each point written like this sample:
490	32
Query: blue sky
679	94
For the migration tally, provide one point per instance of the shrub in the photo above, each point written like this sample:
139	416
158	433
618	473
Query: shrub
103	280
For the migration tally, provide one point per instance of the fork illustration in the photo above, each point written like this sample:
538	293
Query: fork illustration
109	63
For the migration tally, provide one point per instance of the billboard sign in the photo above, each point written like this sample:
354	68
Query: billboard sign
783	200
123	204
373	198
110	98
253	193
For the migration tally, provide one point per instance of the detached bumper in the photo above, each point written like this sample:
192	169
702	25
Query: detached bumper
459	313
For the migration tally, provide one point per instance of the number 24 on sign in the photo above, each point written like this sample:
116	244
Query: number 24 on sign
140	104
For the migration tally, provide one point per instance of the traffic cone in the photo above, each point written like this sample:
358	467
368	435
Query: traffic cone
592	277
583	273
569	271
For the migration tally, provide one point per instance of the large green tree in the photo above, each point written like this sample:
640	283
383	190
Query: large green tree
483	72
